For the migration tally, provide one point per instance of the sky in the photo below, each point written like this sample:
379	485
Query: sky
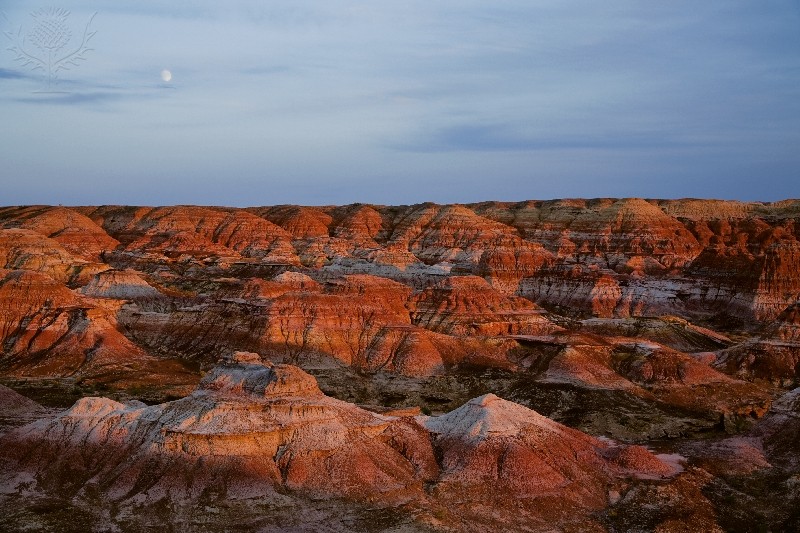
398	102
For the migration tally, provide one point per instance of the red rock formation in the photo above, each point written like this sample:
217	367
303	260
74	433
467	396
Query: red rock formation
605	231
74	231
454	234
672	331
468	305
609	258
497	454
587	363
196	231
119	284
36	312
772	356
647	302
48	330
28	250
308	227
652	371
758	260
361	320
301	222
360	224
253	430
711	256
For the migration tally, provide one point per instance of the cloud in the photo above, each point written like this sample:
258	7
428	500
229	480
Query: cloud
96	99
82	98
8	74
506	138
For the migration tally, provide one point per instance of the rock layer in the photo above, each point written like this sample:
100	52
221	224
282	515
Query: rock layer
654	321
253	430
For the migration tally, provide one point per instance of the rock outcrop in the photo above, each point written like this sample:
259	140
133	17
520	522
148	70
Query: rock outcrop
47	330
644	320
76	232
257	426
252	429
468	305
772	356
417	288
120	285
14	405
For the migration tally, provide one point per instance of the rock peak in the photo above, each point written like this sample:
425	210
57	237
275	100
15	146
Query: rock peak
485	400
243	358
243	373
489	415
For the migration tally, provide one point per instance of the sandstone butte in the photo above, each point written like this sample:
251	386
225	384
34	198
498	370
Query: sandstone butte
576	365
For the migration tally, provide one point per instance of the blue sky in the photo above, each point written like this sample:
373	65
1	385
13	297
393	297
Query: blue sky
399	102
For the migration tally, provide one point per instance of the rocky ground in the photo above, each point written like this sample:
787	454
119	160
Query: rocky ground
608	365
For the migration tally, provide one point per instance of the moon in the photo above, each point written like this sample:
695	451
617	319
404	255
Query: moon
166	75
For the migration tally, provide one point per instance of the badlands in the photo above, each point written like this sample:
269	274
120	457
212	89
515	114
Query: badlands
564	365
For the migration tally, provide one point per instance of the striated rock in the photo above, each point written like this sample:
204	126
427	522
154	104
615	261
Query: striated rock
359	320
627	257
232	279
651	371
757	262
309	230
762	359
357	224
27	250
497	455
77	233
468	305
256	427
453	234
586	365
645	362
48	330
606	232
407	350
671	331
648	320
119	284
734	260
301	222
196	232
253	430
612	257
242	378
346	321
35	312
